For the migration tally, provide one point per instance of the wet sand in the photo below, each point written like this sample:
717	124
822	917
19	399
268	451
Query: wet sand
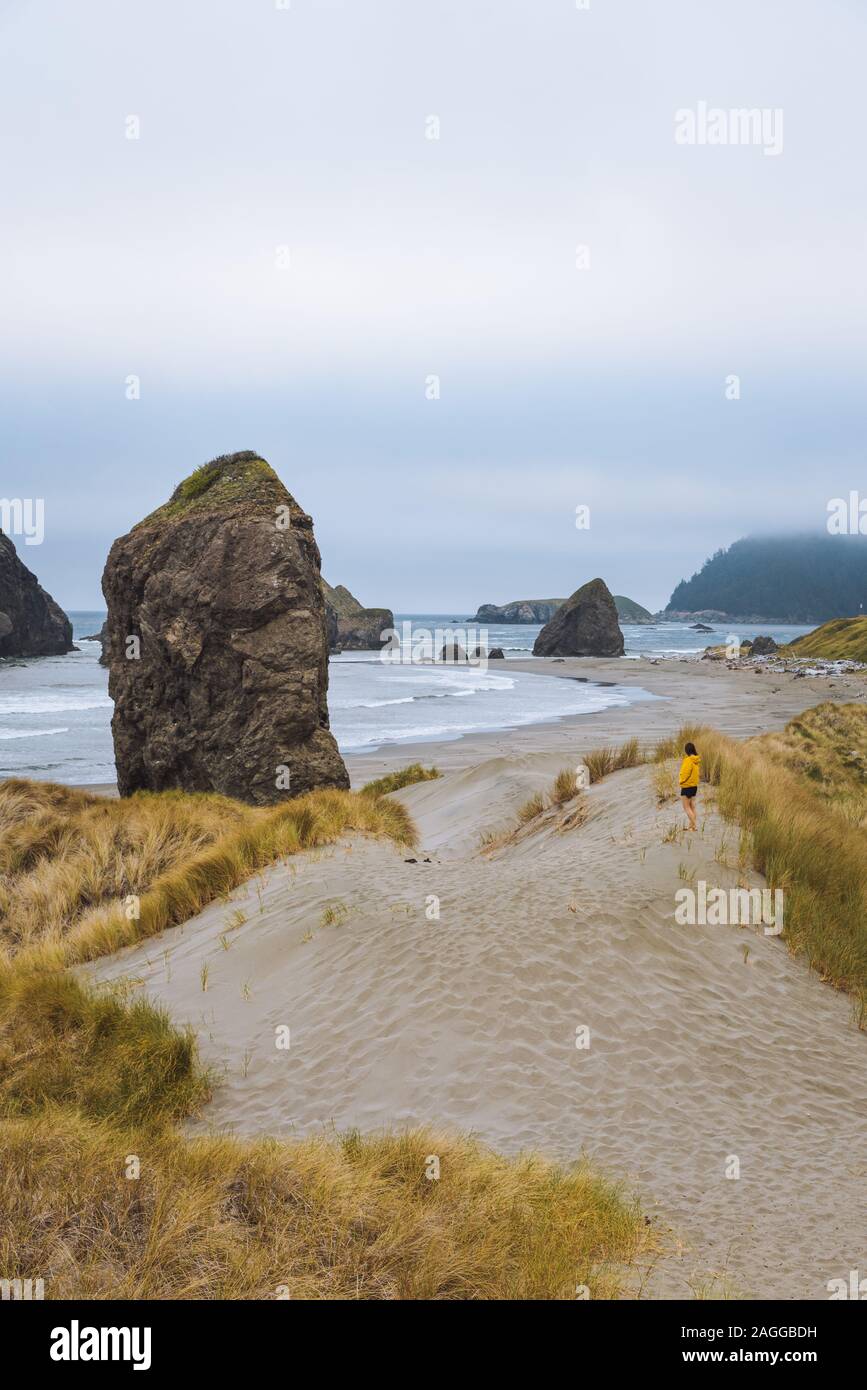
739	702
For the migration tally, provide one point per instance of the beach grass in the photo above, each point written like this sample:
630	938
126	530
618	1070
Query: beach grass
665	784
81	876
800	800
532	807
793	832
827	746
841	639
107	1057
565	786
119	1203
420	1215
601	762
404	777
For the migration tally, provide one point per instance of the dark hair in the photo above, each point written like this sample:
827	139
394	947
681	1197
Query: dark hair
690	749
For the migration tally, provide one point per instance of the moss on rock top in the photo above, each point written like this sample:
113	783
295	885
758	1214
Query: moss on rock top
244	477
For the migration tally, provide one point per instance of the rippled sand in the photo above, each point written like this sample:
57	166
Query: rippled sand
705	1042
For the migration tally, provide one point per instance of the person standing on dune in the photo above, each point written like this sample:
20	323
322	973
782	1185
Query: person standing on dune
689	770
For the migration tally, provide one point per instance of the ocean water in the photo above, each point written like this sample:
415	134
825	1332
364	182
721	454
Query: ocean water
55	712
658	639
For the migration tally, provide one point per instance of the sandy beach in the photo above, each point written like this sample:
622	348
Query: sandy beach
738	702
446	985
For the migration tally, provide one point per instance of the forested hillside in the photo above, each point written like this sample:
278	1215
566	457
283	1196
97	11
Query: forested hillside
796	579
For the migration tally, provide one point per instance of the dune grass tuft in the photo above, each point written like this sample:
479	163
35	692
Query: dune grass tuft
826	745
664	779
564	789
103	1197
81	876
600	762
532	807
222	1218
565	786
404	777
794	836
64	1044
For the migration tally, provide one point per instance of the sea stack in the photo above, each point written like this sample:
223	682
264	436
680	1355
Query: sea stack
216	642
351	626
31	623
585	625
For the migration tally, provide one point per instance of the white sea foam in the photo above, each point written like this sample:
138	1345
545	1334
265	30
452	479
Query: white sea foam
35	702
373	703
370	702
30	733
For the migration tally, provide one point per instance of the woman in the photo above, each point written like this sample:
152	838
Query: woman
689	782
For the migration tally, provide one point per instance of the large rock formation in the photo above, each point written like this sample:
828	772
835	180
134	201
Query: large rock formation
628	611
31	623
221	588
453	651
523	610
542	610
585	625
351	627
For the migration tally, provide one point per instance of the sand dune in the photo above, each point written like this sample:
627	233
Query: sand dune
705	1042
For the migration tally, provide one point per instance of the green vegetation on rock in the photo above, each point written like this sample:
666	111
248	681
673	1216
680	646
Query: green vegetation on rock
628	611
226	480
842	639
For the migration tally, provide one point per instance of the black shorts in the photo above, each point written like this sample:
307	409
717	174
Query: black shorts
688	791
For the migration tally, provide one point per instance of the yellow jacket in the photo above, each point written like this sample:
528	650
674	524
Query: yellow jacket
689	770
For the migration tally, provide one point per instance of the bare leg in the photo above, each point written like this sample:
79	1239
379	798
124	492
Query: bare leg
689	808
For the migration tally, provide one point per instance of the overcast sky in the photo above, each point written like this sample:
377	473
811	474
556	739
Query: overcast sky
306	128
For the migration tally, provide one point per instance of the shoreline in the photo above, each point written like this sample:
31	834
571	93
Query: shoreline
738	702
741	702
702	1039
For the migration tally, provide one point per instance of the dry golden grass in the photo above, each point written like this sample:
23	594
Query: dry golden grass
532	807
565	786
663	775
81	876
827	745
600	762
564	789
220	1218
64	1045
92	1080
404	777
794	836
801	801
841	639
